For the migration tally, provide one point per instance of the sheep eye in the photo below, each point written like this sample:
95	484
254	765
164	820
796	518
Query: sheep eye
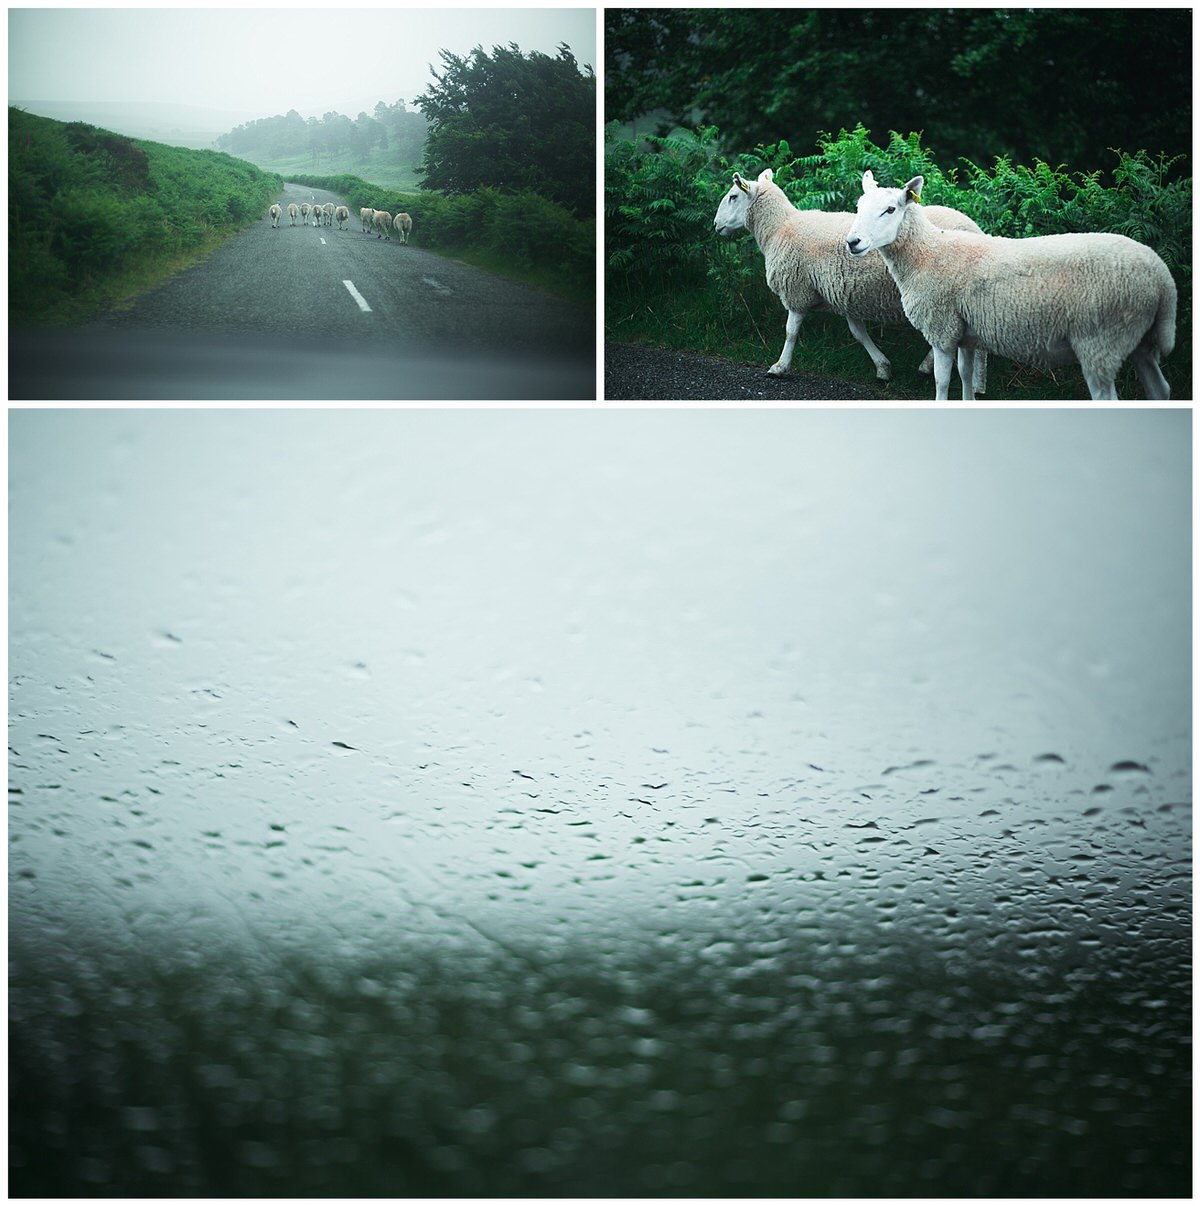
891	209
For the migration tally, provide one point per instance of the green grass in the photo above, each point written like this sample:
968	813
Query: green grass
378	169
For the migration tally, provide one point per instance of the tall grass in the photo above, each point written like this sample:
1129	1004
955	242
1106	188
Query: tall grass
671	281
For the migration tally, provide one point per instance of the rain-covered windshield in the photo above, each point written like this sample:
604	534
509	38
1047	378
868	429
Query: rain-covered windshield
600	803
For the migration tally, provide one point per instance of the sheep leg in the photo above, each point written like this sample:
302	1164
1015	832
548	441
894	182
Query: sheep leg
980	371
943	363
1102	389
966	372
1151	376
926	365
883	366
781	366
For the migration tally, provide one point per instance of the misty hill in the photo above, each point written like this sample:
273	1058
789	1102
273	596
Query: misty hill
196	126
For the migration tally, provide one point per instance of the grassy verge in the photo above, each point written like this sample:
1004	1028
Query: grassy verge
95	217
521	236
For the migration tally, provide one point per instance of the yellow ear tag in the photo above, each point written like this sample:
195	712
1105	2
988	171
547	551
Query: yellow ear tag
914	197
742	185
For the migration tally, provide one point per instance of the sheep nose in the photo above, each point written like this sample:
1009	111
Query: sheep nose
852	245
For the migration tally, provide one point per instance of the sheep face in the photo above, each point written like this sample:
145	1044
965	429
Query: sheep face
880	212
731	213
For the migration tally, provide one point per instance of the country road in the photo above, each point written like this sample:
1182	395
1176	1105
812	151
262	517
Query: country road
644	374
306	312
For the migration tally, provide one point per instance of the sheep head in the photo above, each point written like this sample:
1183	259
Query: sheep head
880	212
735	205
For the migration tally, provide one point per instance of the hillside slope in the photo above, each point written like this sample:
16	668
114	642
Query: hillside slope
95	216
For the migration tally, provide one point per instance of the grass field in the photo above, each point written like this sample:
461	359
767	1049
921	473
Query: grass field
377	169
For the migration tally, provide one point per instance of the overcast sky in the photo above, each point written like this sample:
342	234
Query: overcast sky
266	61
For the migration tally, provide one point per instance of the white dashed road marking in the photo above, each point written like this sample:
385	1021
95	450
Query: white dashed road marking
323	241
358	297
436	285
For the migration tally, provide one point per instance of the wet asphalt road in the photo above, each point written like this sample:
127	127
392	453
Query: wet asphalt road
634	373
269	315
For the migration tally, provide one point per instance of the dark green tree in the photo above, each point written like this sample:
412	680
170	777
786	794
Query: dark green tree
512	122
1060	84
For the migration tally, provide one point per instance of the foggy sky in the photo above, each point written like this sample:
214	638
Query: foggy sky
266	61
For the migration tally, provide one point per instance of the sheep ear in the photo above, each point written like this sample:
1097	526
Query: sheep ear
868	181
766	176
912	190
740	183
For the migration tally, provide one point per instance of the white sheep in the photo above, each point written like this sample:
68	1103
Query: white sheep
808	268
304	208
368	217
402	224
343	216
327	210
383	220
276	214
1044	301
293	210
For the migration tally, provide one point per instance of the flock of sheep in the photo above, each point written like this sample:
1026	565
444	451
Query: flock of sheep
385	223
1046	301
324	215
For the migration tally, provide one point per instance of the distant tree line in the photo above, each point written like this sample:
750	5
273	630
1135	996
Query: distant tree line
393	127
1058	84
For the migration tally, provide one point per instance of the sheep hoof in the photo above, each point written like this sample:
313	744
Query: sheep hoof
776	370
884	372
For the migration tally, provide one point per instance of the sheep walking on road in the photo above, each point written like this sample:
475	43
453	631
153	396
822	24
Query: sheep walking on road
304	208
1046	301
402	224
808	269
293	210
368	218
343	216
383	220
276	214
327	210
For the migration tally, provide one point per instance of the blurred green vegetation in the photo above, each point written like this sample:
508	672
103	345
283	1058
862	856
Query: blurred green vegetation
94	217
838	1060
520	235
1057	84
670	281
